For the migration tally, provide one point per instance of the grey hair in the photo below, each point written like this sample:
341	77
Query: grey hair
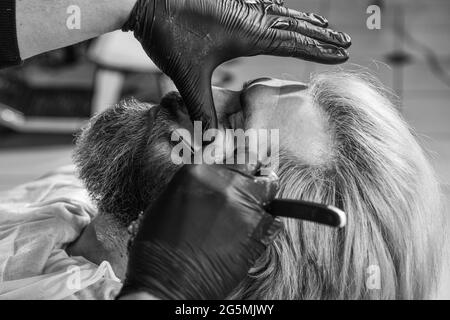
124	160
376	172
379	175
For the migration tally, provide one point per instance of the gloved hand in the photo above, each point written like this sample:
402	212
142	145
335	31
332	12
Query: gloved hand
202	235
188	39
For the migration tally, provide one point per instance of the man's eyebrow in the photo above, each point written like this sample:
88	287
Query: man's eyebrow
247	84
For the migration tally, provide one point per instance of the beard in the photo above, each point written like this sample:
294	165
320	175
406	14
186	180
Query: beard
123	156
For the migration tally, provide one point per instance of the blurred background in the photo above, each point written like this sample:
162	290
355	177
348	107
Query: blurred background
44	102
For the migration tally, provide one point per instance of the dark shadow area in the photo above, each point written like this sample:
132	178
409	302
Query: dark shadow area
10	140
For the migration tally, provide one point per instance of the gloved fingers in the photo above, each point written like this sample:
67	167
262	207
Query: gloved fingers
312	18
249	169
340	39
264	2
276	8
198	99
257	190
251	166
292	44
267	230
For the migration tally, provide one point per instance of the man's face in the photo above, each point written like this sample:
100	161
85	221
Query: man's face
274	104
124	156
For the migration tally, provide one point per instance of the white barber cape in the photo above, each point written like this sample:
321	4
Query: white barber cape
37	221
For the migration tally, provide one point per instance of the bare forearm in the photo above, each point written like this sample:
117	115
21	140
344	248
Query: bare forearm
43	25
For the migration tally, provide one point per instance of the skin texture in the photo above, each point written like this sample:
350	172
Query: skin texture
41	26
276	104
284	105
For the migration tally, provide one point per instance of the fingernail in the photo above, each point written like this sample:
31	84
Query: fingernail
346	38
320	19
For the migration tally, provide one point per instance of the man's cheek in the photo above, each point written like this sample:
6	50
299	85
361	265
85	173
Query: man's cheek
260	105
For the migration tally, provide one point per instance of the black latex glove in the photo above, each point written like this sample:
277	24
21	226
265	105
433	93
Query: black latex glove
188	39
202	235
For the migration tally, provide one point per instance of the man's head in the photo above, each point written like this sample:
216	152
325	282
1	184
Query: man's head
341	143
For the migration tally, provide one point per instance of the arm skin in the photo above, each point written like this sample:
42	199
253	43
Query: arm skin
41	25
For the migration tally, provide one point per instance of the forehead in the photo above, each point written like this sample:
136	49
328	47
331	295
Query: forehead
302	125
